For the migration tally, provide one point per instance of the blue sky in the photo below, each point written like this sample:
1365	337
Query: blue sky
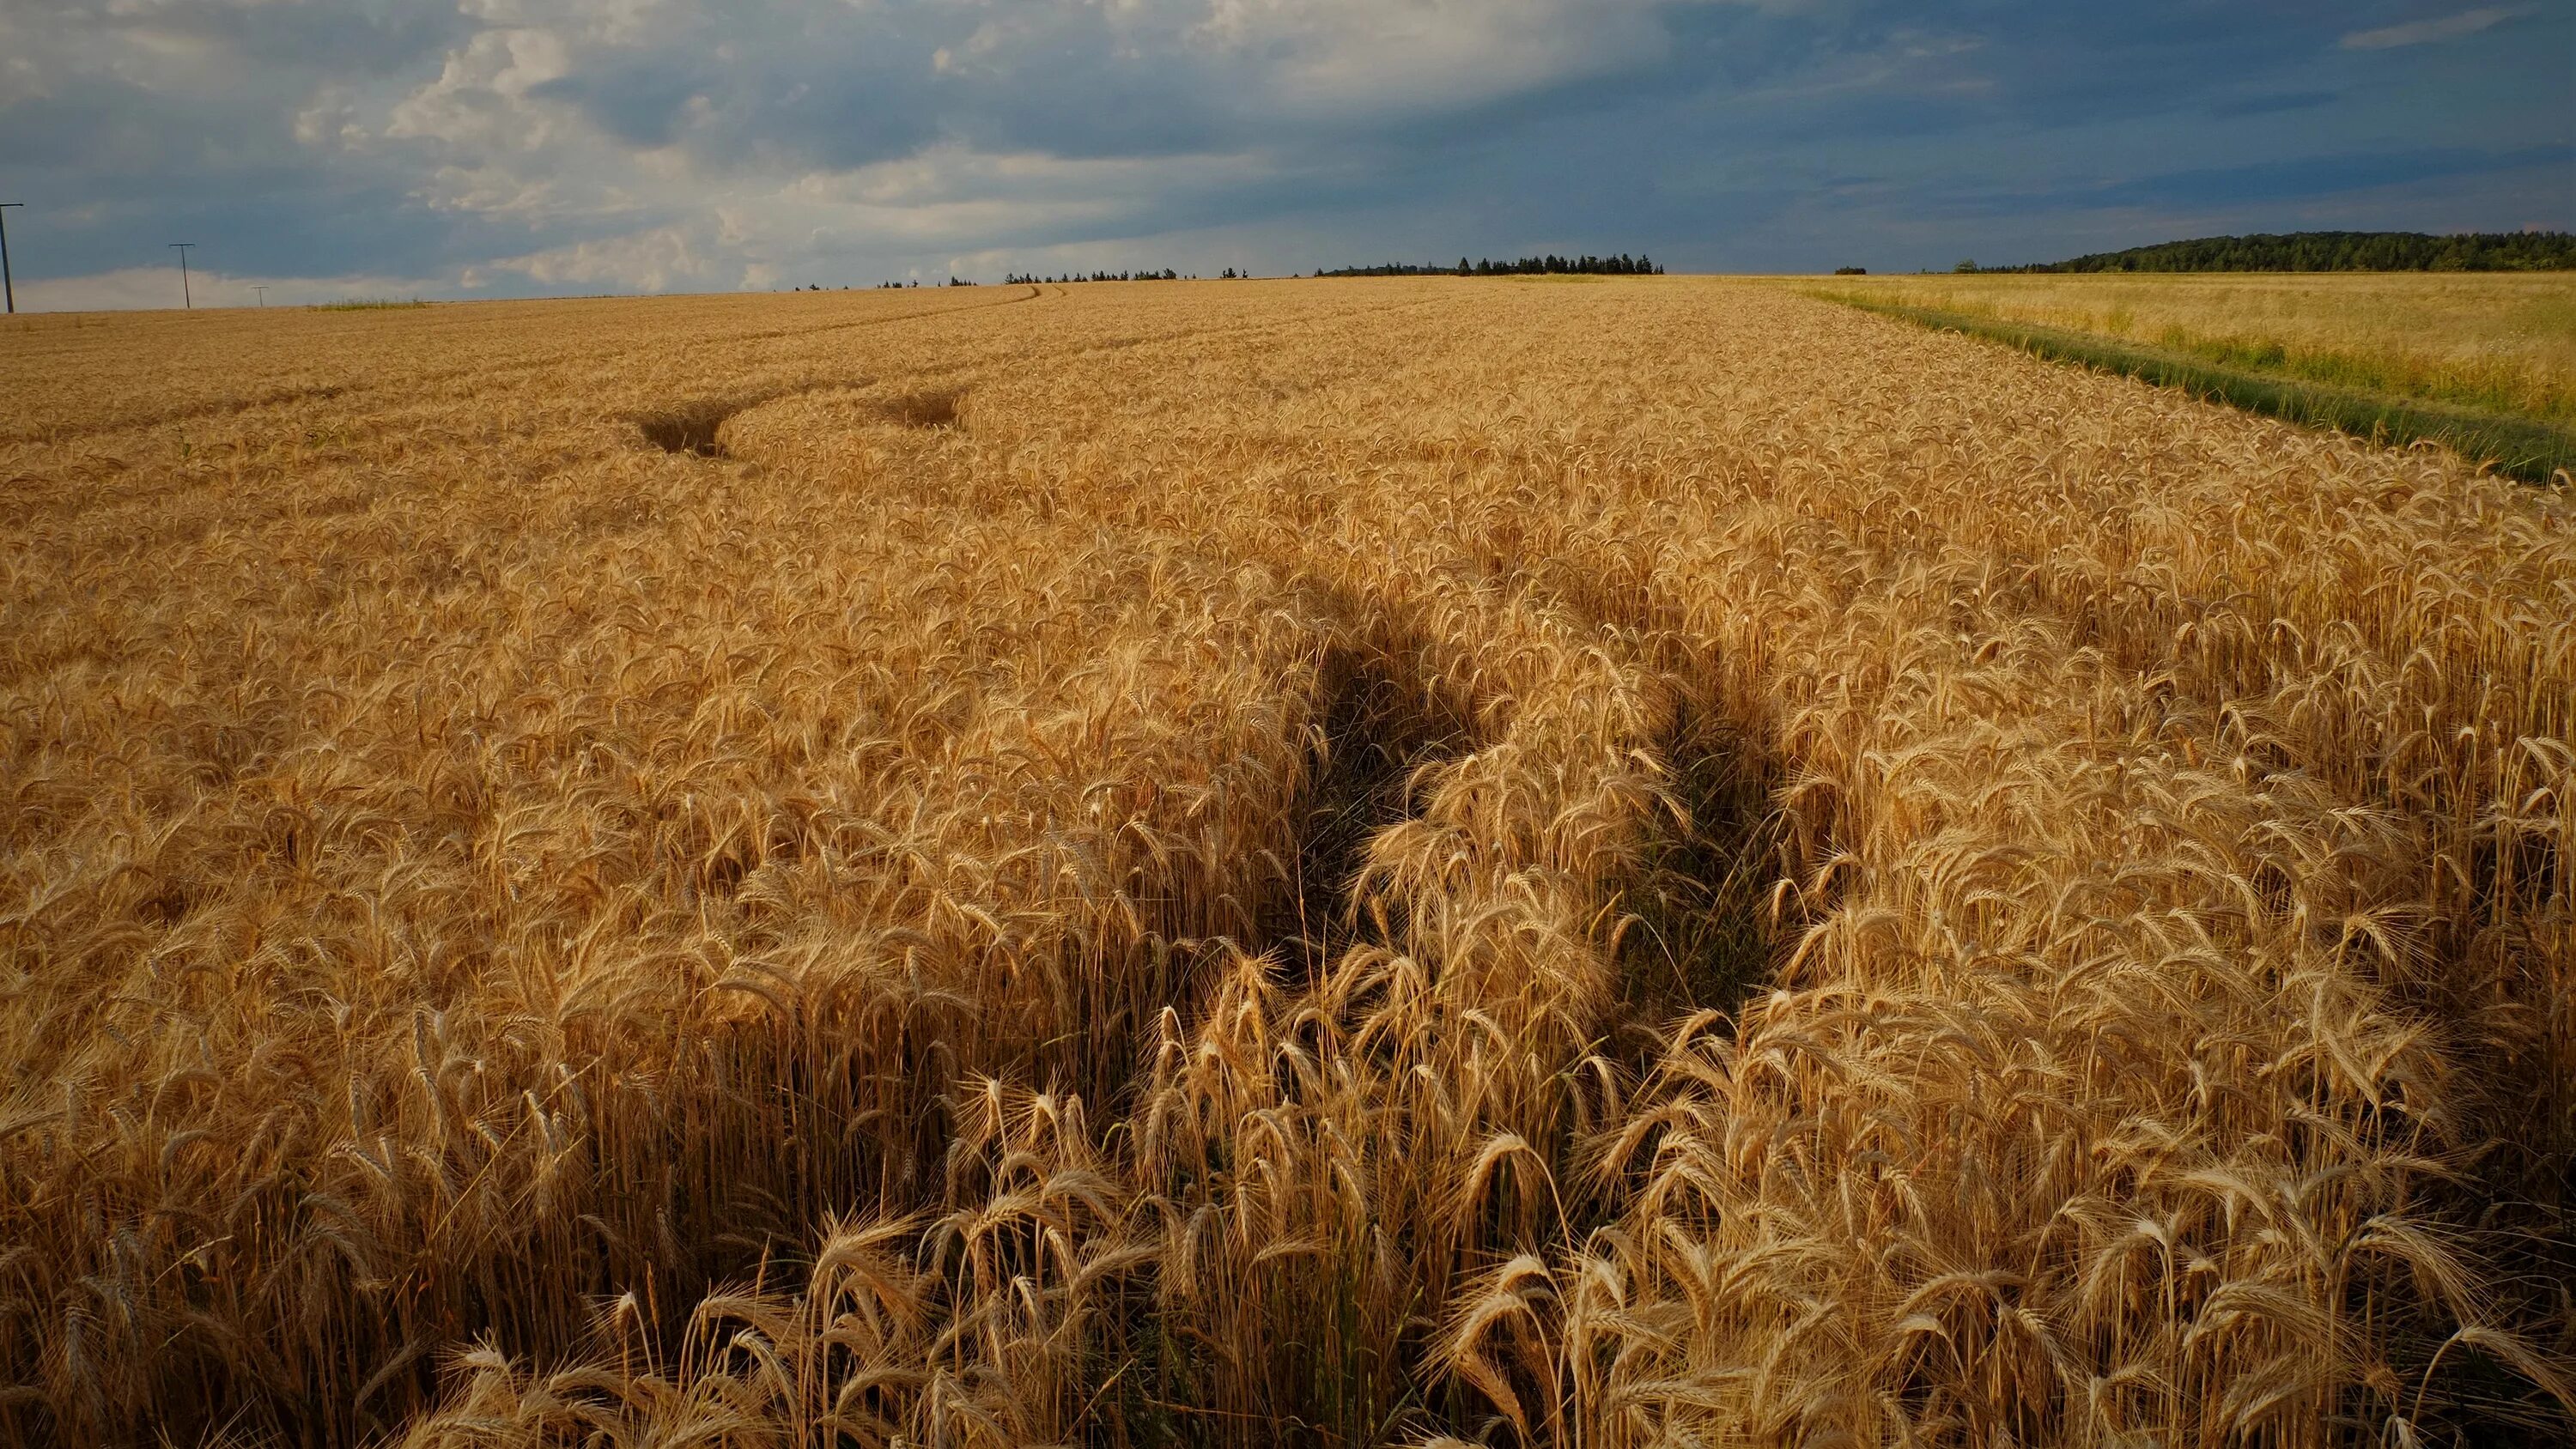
456	148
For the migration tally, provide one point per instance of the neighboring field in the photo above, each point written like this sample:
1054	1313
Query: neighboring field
2503	342
1249	863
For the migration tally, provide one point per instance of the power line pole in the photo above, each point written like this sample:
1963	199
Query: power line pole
263	295
185	301
8	288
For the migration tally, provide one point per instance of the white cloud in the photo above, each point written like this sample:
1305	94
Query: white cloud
2427	32
330	121
662	259
1405	55
481	99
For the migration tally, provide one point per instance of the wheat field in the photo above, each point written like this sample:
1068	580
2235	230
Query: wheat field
1380	862
2501	342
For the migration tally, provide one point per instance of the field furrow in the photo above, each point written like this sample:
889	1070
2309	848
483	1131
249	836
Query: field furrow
1412	861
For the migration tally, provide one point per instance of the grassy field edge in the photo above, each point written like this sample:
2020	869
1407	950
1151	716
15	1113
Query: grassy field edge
2523	448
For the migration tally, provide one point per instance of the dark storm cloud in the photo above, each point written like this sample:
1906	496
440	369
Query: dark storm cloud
533	145
641	100
2273	104
2216	187
2312	176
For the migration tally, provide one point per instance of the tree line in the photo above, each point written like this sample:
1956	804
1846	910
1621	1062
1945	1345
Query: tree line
2332	251
1027	279
1622	265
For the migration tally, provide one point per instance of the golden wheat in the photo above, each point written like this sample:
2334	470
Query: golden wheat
1377	862
2501	341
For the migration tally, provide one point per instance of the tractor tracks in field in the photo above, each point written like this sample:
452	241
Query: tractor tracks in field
689	427
367	398
499	372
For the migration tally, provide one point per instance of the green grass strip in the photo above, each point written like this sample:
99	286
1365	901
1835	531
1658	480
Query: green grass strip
2523	448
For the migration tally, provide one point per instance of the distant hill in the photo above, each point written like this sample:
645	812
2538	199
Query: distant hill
2336	251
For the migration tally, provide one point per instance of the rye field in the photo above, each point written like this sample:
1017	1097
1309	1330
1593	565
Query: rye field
1407	862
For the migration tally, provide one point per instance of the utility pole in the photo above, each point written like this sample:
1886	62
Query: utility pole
8	288
185	301
263	295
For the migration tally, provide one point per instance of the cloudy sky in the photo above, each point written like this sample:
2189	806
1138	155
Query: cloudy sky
456	148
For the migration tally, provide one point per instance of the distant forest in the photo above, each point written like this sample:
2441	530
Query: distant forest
1017	279
1622	265
2334	251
